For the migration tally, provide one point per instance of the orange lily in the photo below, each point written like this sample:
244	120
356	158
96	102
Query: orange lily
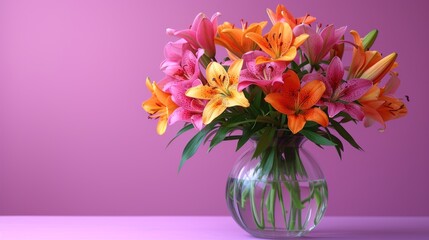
297	103
159	106
279	43
283	15
379	105
234	40
369	64
221	90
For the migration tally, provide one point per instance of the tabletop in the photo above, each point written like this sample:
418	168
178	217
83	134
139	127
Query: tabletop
196	227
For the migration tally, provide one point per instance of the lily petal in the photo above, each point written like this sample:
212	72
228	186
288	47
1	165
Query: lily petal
205	37
334	108
353	89
278	101
161	127
236	99
289	55
295	122
355	111
217	76
317	76
197	121
335	72
234	71
262	43
317	115
372	94
213	109
311	93
392	85
202	92
187	34
291	86
358	59
314	43
371	116
380	69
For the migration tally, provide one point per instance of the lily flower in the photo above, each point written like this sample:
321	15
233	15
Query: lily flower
189	109
221	90
160	106
180	63
379	104
369	64
234	40
279	43
201	34
320	41
283	15
298	103
263	75
340	95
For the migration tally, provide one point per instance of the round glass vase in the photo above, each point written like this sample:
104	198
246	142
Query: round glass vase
279	194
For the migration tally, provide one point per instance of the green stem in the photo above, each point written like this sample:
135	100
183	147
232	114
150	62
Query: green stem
282	204
260	223
270	204
279	187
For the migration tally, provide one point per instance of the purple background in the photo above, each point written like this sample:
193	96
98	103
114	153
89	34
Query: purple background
74	139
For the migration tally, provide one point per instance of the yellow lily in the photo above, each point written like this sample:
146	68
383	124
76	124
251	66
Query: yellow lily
159	106
221	90
279	43
369	64
234	40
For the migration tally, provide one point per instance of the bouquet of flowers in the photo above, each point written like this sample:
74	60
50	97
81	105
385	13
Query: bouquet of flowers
277	84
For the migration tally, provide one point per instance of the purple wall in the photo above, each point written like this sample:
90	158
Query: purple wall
74	139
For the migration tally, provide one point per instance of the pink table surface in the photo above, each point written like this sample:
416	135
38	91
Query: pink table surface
142	228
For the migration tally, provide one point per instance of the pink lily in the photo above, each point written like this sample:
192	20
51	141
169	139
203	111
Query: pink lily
180	64
190	109
201	34
340	95
264	75
319	42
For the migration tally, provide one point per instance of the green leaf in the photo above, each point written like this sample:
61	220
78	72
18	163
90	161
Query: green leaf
185	128
229	138
265	119
244	138
339	145
264	141
310	124
195	143
298	163
345	134
210	135
219	136
268	163
316	138
258	98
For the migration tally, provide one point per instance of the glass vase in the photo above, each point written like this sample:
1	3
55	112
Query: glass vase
284	198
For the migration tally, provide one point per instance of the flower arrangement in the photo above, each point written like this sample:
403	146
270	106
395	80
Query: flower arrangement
277	84
290	78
